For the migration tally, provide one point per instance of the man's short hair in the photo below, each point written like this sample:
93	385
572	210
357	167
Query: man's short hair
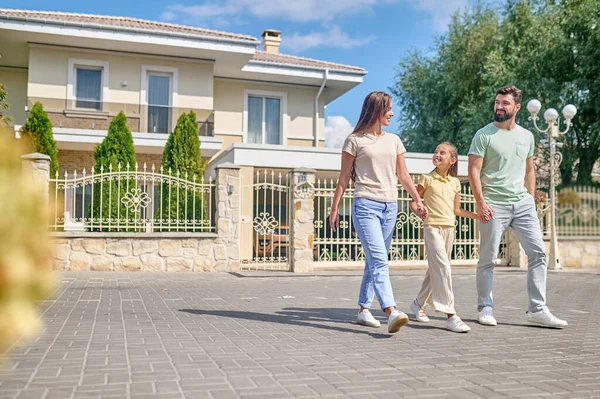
512	90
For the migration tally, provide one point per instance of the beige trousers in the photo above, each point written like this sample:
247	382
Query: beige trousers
436	288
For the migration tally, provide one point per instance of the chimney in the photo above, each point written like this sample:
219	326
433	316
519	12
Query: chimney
271	41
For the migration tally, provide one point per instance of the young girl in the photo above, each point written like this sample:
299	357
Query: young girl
440	192
374	159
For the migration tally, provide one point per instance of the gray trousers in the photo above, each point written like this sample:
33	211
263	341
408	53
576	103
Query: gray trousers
522	217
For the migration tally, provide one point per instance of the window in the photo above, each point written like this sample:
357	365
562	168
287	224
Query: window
88	88
159	110
87	85
158	96
265	117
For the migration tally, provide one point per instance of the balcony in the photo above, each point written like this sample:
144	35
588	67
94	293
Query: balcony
141	118
80	126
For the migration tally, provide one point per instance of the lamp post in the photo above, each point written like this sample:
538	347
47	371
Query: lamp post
552	120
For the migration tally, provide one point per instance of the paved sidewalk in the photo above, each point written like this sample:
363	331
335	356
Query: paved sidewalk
276	335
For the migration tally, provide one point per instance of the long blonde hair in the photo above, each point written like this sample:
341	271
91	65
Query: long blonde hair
374	107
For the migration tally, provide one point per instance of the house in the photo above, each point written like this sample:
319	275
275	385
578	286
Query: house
84	69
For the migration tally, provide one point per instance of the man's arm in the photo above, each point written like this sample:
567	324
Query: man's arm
475	164
530	176
484	211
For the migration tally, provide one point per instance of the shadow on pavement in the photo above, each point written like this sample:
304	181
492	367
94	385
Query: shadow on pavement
303	317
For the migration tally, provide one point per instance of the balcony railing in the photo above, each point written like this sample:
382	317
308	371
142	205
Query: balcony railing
143	118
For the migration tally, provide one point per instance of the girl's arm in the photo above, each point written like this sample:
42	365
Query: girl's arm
413	204
458	211
343	180
409	186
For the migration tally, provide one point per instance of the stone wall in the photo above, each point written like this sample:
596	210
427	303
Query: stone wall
133	252
302	234
70	161
100	122
579	252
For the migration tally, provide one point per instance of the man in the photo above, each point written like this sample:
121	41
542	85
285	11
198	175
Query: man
502	179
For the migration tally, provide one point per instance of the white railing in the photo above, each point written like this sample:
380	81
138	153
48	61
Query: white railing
129	199
578	212
343	245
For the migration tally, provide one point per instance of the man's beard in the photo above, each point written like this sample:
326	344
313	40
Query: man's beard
502	117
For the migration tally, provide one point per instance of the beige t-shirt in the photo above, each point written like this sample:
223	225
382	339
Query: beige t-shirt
375	165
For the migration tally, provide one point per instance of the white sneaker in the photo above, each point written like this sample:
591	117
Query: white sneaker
545	318
419	313
486	317
455	324
365	318
396	321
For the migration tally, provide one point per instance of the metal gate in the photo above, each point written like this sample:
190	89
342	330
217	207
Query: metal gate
265	232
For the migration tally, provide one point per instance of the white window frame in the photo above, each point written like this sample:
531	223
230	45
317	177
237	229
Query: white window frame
75	63
148	70
282	96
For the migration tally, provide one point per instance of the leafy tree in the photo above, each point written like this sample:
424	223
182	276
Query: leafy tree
4	105
547	48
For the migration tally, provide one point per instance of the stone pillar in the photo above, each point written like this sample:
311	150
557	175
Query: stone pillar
516	253
227	218
36	168
302	216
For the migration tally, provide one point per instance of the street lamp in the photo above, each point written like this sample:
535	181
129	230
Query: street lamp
552	120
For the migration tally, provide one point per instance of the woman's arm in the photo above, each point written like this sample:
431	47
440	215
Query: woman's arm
409	186
413	204
458	211
342	184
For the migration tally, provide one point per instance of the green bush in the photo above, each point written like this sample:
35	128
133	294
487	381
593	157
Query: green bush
37	133
181	158
116	149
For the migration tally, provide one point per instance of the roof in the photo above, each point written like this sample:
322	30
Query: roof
283	59
120	22
162	28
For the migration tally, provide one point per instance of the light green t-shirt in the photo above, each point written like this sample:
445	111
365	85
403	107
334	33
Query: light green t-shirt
504	153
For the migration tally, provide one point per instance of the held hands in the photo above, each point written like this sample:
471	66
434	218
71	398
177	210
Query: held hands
485	213
421	211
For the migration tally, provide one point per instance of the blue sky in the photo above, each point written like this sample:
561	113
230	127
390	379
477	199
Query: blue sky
373	34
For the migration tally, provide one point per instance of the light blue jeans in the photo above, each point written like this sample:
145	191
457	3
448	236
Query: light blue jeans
522	217
374	222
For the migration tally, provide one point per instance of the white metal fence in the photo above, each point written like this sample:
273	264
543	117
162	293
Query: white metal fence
129	199
578	212
343	245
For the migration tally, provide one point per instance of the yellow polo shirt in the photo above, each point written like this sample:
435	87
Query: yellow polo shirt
438	197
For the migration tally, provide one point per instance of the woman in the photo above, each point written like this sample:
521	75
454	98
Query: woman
374	159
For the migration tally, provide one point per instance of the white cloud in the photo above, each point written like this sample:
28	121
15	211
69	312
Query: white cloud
335	37
337	128
226	13
168	16
441	10
297	11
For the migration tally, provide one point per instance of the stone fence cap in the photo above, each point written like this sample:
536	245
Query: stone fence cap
35	156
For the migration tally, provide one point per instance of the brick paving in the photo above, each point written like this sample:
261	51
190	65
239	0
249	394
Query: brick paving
276	335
